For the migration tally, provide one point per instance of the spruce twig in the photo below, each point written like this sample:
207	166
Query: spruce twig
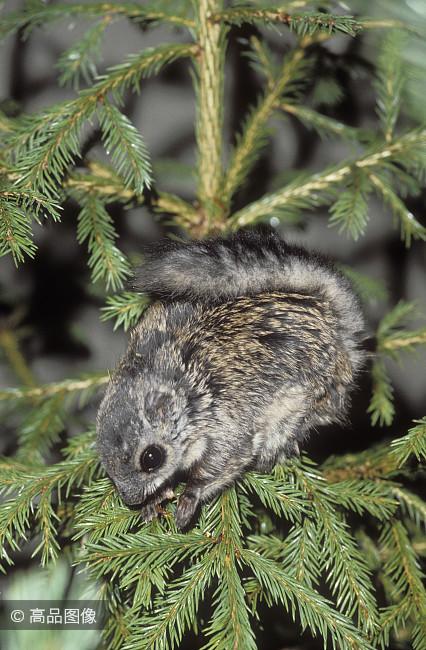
254	134
48	390
209	125
314	190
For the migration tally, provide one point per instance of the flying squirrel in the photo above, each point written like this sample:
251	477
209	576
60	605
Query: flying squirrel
249	344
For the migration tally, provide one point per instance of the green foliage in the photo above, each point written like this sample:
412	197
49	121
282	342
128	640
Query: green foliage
44	145
126	307
255	132
19	208
262	59
325	126
408	152
333	546
37	484
409	226
41	428
306	24
414	443
105	260
139	66
390	82
127	148
162	571
407	583
37	14
350	210
381	406
78	60
83	386
392	339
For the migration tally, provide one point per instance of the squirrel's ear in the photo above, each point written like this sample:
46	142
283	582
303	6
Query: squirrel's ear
157	404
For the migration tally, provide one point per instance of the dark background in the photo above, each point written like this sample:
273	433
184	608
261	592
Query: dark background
50	297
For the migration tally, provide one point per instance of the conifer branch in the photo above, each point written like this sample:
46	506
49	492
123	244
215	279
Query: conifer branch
314	610
40	429
404	340
175	614
151	549
105	260
230	623
325	126
393	321
286	501
347	572
317	189
209	121
381	405
46	144
102	180
126	307
44	422
48	390
367	288
393	618
262	60
78	61
139	66
29	483
126	146
350	210
411	505
392	338
298	555
254	133
390	83
306	24
382	462
18	209
376	465
15	233
363	496
36	15
403	567
184	214
100	514
414	443
409	226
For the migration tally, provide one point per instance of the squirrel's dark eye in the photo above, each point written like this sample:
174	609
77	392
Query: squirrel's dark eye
152	458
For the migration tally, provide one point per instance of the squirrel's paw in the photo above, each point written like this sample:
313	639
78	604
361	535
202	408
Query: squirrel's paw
186	509
149	512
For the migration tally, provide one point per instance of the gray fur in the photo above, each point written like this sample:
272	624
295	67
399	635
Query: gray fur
251	344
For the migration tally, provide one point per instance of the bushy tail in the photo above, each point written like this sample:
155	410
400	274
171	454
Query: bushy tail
246	263
213	269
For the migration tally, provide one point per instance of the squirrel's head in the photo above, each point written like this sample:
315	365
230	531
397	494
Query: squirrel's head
143	436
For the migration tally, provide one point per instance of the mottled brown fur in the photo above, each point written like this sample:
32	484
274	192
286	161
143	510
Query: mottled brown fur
229	371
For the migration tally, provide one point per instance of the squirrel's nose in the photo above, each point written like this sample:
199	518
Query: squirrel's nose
131	495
